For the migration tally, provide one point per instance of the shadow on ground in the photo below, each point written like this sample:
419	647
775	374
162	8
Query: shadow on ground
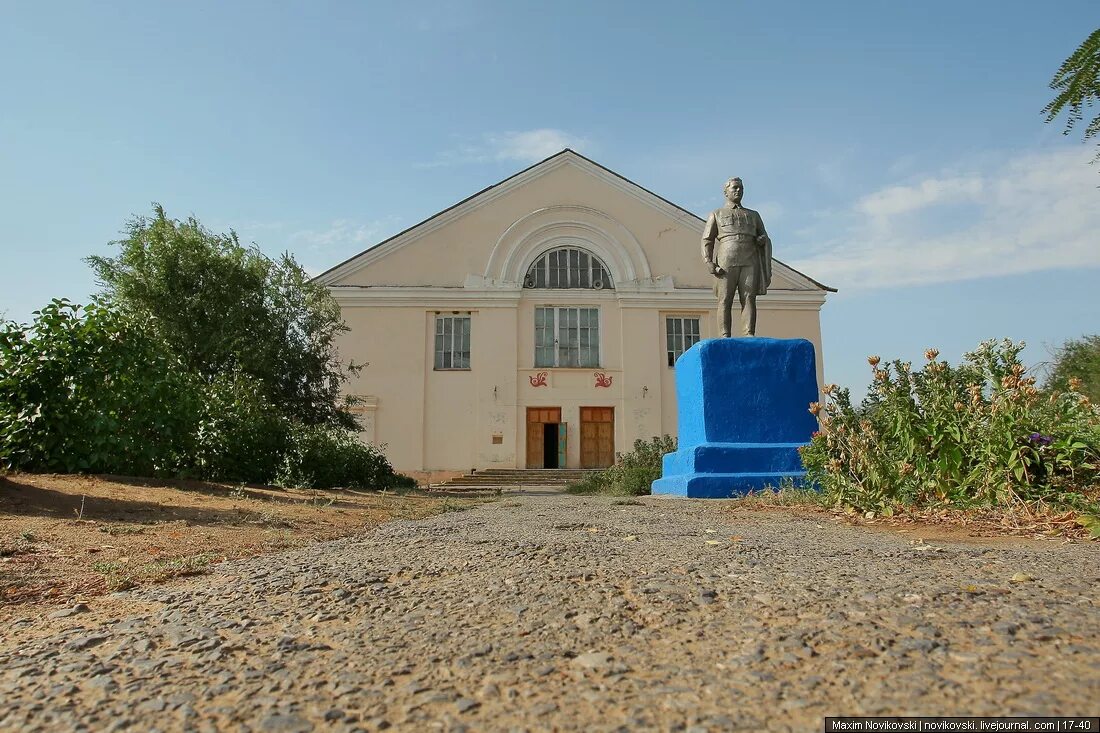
20	498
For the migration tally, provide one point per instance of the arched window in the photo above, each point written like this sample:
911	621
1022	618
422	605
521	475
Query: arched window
568	267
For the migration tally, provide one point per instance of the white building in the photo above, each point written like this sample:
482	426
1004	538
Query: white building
535	323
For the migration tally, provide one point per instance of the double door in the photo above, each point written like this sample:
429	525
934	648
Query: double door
548	437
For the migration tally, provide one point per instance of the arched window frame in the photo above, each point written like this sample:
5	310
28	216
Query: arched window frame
568	268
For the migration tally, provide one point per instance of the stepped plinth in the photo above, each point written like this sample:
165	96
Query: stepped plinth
743	406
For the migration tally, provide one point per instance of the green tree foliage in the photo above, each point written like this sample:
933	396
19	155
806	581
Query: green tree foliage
87	390
979	433
1078	85
321	456
92	390
225	308
243	437
203	359
1076	367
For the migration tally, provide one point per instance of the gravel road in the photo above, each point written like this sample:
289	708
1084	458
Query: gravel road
554	612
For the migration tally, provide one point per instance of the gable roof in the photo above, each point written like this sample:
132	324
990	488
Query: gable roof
566	155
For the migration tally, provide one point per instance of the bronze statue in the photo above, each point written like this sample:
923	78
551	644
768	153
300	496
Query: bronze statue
739	253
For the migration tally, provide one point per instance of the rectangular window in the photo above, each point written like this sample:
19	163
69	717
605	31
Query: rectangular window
567	337
681	333
452	342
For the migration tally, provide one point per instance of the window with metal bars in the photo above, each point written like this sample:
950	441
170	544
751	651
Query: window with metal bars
452	342
567	337
681	333
568	267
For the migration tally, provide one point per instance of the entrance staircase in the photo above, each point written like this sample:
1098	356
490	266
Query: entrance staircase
500	479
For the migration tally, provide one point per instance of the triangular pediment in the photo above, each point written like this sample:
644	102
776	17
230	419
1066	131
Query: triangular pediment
467	239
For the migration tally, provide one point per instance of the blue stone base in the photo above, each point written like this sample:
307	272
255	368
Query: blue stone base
734	458
722	470
724	485
744	413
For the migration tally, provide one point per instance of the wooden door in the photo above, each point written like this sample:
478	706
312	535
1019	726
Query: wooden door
536	418
597	437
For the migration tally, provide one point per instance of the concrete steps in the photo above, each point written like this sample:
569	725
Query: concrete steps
505	478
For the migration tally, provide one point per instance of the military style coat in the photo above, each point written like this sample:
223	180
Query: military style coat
737	222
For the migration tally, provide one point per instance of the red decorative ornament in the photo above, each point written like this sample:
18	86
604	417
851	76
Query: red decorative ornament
537	380
602	380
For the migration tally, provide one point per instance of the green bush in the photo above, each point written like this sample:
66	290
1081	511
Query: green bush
635	480
975	434
634	472
241	436
322	458
91	390
593	483
86	390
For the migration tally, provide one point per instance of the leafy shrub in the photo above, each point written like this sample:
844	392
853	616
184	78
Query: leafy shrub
91	390
241	435
322	458
633	473
86	390
594	483
975	434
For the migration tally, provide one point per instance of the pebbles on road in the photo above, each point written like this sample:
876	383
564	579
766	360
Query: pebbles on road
562	612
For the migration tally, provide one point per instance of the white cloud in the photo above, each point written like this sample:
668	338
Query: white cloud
342	233
902	199
528	146
1028	212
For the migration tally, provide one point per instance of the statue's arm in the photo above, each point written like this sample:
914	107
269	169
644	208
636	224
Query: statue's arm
763	240
710	233
761	234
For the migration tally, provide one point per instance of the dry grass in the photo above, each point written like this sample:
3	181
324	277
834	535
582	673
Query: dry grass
65	539
1020	521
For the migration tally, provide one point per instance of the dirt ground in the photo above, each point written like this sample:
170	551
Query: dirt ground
547	611
973	526
67	539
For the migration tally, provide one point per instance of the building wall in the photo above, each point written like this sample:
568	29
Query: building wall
438	421
494	364
446	420
393	378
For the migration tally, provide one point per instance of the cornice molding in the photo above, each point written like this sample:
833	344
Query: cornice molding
430	298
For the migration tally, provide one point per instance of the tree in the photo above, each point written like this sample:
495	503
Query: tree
225	308
1078	85
1080	359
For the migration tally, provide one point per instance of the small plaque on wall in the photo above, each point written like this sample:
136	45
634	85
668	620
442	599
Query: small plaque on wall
498	439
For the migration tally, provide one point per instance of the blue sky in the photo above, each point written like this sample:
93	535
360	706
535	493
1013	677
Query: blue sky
896	150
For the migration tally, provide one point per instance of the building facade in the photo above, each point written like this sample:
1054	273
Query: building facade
535	323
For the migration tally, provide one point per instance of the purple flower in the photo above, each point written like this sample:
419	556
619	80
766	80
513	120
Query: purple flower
1040	439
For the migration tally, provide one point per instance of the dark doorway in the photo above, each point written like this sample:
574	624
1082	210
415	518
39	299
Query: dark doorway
550	445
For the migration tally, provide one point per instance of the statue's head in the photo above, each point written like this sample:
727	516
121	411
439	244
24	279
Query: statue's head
734	190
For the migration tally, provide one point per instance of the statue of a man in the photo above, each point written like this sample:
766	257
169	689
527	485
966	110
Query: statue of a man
739	253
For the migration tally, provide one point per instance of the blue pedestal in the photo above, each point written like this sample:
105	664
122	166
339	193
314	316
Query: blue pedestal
744	411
